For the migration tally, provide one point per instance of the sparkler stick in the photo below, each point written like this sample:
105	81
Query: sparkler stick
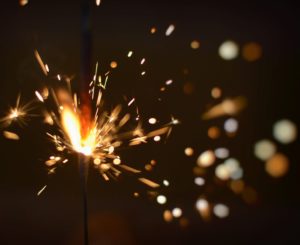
83	172
86	46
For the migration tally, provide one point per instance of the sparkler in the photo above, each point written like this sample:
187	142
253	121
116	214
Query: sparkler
98	140
82	127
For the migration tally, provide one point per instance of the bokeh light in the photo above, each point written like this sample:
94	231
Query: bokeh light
199	181
231	125
264	149
113	64
252	51
277	166
221	210
213	132
206	159
189	151
195	44
221	153
285	131
229	50
168	217
216	92
161	199
177	212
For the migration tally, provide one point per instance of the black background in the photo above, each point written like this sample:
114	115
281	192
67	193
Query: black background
270	84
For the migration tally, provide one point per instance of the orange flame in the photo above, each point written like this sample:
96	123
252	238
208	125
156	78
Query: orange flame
72	127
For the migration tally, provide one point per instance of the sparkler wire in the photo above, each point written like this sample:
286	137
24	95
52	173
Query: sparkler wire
83	173
86	49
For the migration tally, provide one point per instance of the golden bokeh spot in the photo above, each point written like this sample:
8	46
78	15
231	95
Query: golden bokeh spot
195	44
237	186
168	217
216	92
153	30
213	132
252	51
113	64
277	166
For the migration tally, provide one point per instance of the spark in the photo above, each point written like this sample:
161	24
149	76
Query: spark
47	68
152	120
98	139
166	183
170	30
143	61
226	107
41	190
40	61
131	101
149	182
174	121
130	53
10	135
98	2
39	96
19	113
169	82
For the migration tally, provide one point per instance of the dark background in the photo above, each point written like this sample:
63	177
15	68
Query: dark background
270	84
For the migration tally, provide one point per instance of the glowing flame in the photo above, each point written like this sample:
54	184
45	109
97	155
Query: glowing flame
72	128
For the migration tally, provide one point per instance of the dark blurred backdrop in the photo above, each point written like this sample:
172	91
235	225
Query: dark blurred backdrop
270	84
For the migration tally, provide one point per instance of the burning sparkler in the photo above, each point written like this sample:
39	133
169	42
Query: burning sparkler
99	139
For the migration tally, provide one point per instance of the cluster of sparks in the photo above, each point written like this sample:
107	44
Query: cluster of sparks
100	139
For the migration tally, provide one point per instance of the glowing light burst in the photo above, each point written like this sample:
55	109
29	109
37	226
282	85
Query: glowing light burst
18	114
99	139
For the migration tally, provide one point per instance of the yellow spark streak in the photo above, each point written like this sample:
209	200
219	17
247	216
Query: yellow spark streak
130	102
129	54
10	135
47	68
130	169
99	98
41	190
226	107
105	177
158	132
40	61
169	30
39	96
149	182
